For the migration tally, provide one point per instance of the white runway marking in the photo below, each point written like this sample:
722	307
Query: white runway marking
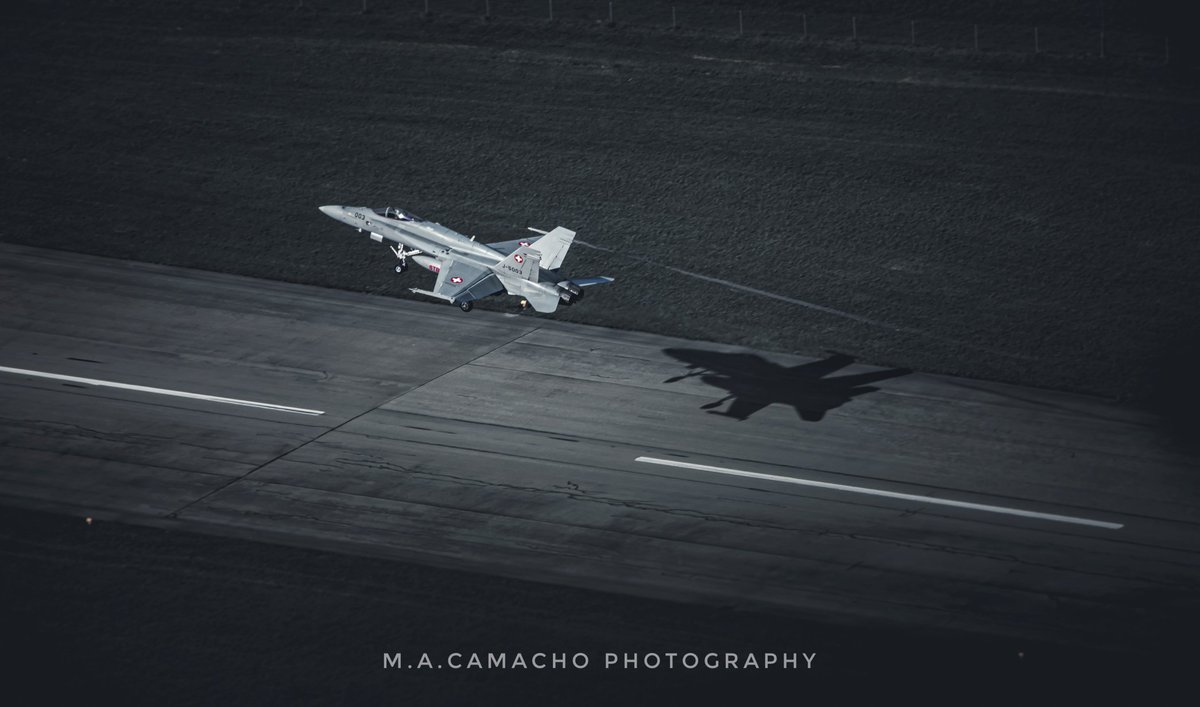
887	494
161	391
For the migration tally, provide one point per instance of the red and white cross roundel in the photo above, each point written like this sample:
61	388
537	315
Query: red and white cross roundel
456	280
523	243
519	258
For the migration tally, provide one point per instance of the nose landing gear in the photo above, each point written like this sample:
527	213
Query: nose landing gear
403	256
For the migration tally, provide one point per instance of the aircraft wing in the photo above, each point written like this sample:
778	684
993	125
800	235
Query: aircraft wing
460	281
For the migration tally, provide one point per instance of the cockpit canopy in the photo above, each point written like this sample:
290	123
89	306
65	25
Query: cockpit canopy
398	214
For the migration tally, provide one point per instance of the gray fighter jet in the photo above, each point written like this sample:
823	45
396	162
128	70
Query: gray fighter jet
467	270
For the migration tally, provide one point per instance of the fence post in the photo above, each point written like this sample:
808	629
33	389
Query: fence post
674	24
1037	47
854	27
1101	44
805	16
610	20
427	8
912	28
741	27
487	9
1166	50
976	37
551	4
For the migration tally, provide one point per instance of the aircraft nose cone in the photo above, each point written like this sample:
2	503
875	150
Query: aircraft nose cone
330	210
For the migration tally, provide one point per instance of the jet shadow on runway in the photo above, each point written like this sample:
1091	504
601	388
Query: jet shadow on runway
753	383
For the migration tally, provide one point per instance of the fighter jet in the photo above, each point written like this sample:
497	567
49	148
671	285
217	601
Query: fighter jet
467	270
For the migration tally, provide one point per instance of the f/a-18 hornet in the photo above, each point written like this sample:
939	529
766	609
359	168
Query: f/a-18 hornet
467	270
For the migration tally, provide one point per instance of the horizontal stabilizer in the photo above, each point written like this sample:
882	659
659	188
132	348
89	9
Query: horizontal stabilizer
541	301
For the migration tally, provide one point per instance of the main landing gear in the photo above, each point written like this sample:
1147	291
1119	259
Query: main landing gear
466	306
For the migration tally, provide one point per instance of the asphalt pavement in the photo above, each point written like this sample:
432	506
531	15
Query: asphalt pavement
520	446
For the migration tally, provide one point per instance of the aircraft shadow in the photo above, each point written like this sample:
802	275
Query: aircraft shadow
752	383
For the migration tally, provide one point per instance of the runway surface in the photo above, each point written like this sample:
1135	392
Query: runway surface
521	446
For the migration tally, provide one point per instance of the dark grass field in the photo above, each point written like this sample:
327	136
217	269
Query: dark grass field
1004	218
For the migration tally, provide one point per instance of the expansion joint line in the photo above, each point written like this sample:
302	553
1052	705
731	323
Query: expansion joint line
175	514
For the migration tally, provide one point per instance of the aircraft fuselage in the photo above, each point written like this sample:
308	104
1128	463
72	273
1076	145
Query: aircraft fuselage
431	239
433	246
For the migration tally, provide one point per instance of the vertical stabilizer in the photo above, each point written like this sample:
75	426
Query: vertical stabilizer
523	263
554	246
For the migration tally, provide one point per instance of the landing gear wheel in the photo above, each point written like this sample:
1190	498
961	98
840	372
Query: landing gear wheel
466	306
401	268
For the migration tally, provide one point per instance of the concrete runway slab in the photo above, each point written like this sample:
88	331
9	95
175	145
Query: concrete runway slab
509	444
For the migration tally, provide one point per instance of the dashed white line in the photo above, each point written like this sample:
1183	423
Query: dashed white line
161	391
887	494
